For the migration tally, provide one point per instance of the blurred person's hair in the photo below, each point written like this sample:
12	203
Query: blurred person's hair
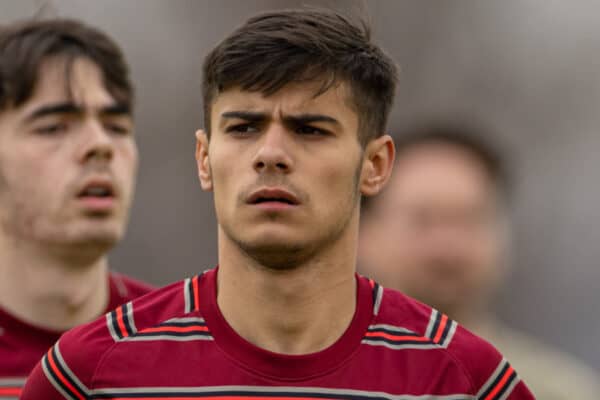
469	137
25	45
277	48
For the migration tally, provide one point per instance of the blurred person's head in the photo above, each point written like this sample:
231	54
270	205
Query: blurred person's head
68	158
296	103
439	230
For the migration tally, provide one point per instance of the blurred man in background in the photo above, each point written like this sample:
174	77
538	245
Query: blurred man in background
440	232
68	161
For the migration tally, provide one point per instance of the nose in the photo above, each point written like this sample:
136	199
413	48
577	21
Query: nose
96	144
273	152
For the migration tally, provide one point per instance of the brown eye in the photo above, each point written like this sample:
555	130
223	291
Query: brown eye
241	129
310	130
52	129
118	129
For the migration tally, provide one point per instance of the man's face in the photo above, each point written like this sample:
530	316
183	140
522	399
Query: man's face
67	161
436	233
284	169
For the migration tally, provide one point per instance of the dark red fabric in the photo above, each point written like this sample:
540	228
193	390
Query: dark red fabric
166	343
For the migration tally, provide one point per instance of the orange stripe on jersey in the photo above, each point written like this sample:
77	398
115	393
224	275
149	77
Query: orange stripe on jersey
440	331
121	323
394	337
500	384
60	376
176	329
196	293
10	391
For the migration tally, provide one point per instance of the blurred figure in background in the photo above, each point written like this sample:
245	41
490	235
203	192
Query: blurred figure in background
68	161
441	233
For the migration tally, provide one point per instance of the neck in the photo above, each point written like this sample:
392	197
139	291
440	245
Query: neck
55	289
297	311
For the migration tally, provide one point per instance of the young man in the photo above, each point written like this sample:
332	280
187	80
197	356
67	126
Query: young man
67	169
441	232
296	104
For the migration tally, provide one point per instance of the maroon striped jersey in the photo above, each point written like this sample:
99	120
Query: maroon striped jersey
22	345
175	344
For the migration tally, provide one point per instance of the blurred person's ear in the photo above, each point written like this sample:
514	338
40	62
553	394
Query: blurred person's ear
377	165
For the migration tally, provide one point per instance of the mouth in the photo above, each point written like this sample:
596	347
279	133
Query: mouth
97	190
98	197
280	196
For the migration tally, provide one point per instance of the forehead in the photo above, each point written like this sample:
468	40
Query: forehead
293	98
61	80
439	173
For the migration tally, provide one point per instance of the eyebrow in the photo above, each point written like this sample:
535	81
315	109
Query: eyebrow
290	119
72	108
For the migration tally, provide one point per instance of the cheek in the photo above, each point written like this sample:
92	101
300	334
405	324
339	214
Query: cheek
126	163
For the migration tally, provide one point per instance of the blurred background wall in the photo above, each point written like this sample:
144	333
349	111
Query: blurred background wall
529	69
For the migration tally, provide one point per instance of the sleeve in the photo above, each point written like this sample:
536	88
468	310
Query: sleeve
53	379
504	384
491	375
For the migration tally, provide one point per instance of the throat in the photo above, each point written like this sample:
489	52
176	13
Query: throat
288	316
53	296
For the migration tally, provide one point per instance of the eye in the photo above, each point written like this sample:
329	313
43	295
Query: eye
52	129
310	130
118	129
242	129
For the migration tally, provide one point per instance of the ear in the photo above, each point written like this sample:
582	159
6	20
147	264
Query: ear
202	161
377	165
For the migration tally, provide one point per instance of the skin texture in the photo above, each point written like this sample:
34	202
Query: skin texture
53	243
291	264
438	232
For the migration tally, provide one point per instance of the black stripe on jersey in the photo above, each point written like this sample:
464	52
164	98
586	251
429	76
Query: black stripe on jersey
372	339
495	382
115	324
79	392
124	312
436	325
171	333
190	290
169	328
398	332
449	324
182	323
392	330
374	292
511	379
53	378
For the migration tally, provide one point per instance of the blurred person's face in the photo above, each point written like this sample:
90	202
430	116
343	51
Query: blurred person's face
67	161
286	170
436	232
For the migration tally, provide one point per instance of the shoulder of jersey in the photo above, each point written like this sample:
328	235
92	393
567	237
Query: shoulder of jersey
483	366
82	348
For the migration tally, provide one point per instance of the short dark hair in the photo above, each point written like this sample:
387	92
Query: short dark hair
25	45
468	136
280	47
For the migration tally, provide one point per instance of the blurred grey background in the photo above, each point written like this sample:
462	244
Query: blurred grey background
529	69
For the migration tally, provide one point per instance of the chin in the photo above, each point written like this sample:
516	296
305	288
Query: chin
106	236
278	256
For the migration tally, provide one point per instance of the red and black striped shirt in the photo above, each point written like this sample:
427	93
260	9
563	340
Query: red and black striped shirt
175	344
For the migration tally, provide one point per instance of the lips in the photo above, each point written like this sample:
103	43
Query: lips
271	195
97	188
